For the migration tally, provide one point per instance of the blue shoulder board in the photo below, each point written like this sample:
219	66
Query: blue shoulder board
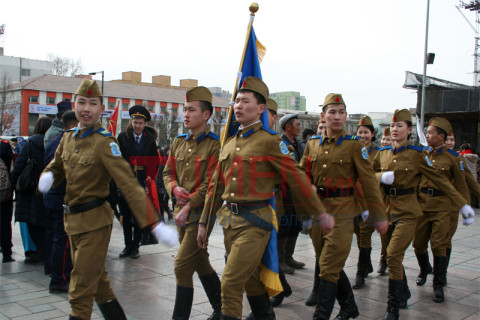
315	137
182	135
386	148
213	136
349	137
376	148
415	148
268	130
104	132
453	152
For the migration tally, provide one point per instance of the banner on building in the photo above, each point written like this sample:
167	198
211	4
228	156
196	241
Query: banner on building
42	108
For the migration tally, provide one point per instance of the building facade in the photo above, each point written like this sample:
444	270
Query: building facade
290	100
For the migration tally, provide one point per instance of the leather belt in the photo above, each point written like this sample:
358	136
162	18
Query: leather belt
334	193
394	192
85	206
432	192
138	168
244	210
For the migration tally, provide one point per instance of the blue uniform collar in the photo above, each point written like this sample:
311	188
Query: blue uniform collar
85	132
199	136
245	132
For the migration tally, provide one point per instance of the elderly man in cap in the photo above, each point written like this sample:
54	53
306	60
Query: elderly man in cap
57	125
88	157
186	175
138	146
290	226
434	224
249	166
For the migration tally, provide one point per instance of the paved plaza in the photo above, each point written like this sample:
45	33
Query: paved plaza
146	287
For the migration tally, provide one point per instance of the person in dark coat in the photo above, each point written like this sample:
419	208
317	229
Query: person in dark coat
57	250
163	197
138	146
29	205
6	208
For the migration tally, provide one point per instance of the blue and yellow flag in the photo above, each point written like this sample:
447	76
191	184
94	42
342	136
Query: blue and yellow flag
251	67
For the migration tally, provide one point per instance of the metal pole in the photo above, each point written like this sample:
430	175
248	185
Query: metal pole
422	107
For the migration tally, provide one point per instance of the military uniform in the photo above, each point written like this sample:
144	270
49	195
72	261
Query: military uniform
88	159
408	163
249	165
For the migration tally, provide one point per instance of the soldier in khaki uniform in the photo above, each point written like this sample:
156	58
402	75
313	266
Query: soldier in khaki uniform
186	176
249	166
434	224
88	157
399	169
336	161
363	226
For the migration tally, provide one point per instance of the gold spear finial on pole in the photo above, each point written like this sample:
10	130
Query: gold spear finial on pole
253	8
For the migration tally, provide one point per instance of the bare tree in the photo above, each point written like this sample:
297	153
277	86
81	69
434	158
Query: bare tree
62	66
217	121
167	128
8	108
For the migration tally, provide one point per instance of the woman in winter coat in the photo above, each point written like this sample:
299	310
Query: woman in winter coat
29	205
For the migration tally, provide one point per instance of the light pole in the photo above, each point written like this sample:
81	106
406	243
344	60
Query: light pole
103	74
424	79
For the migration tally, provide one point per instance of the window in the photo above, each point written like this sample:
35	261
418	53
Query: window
150	108
67	100
163	109
26	72
125	106
33	99
111	105
50	100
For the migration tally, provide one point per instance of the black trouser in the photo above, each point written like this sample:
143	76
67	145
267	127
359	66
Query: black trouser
38	235
6	214
58	249
129	225
289	226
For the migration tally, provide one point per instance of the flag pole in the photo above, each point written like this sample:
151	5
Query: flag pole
253	9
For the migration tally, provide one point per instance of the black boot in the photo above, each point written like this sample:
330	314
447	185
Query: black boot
224	317
281	247
326	299
406	292
289	249
261	308
112	310
395	288
183	303
362	268
425	268
346	299
382	265
313	298
211	284
368	257
287	291
70	317
449	253
439	277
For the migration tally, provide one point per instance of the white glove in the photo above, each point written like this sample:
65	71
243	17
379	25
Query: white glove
46	181
165	235
468	214
365	215
387	177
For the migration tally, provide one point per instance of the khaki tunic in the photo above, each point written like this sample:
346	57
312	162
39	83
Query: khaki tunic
190	165
88	159
249	167
339	162
409	163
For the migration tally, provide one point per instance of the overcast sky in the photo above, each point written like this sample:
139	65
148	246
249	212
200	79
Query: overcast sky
360	48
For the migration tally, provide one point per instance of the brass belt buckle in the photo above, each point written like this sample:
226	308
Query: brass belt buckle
66	208
234	208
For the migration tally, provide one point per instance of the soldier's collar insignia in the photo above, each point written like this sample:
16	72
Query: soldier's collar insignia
201	137
397	150
249	132
76	131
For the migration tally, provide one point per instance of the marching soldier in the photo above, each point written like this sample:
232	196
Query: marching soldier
400	168
138	146
248	167
336	162
363	227
186	175
88	157
434	224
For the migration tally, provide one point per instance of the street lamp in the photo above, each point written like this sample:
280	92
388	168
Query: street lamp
94	73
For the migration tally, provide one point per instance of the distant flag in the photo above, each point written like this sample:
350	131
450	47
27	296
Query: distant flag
112	124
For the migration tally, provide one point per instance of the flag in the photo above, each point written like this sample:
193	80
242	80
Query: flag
251	67
112	124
